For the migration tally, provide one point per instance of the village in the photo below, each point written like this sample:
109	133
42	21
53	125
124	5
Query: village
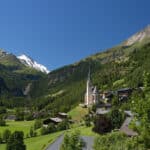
96	108
101	100
103	103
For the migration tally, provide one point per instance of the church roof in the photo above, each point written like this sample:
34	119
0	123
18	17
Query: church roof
101	111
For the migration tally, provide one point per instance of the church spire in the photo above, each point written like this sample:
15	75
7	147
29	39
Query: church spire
91	95
89	74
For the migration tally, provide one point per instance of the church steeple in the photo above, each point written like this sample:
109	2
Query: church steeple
89	74
88	89
91	95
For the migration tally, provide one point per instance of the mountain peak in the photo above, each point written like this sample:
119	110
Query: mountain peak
138	37
28	61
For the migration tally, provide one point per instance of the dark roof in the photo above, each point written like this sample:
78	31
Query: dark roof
54	120
101	111
124	89
105	105
11	117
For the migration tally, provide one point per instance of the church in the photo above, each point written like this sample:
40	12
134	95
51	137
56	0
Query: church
92	94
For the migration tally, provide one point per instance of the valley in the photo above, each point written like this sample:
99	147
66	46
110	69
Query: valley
44	105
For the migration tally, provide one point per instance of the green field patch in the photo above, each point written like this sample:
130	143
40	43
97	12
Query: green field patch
39	142
78	113
18	126
84	131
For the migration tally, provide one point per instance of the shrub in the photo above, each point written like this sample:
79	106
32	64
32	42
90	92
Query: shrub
19	114
3	110
116	141
87	120
49	129
2	121
16	142
72	142
116	118
102	124
1	140
28	117
6	135
64	125
32	132
37	124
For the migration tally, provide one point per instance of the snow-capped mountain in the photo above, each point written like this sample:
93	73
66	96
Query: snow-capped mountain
26	60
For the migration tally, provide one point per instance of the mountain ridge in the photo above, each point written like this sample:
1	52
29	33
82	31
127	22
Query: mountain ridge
117	67
10	59
28	61
138	36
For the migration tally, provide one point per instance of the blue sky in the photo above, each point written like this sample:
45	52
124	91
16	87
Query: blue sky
60	32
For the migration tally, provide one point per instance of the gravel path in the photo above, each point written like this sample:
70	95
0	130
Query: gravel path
87	139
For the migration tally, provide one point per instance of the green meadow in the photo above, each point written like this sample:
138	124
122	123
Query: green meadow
84	131
39	142
18	126
78	113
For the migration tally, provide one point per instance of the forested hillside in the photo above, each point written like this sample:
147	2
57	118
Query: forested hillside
116	68
14	78
64	88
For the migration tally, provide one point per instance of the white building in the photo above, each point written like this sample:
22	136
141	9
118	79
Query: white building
92	94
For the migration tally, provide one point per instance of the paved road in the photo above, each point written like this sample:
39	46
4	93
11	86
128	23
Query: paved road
89	142
87	139
125	127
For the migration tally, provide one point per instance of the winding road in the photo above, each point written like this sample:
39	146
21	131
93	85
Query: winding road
87	139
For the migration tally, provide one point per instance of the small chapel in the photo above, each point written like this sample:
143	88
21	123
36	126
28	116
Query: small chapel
92	94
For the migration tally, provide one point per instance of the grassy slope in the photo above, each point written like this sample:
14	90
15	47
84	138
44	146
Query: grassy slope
78	113
41	142
38	143
84	131
18	125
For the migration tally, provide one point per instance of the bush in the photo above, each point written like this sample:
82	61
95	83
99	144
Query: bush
64	125
1	140
32	132
6	135
116	141
28	117
102	124
19	114
44	131
2	121
37	124
49	129
16	142
116	118
87	120
72	142
3	110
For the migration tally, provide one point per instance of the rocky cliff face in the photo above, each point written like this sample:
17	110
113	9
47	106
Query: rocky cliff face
139	36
